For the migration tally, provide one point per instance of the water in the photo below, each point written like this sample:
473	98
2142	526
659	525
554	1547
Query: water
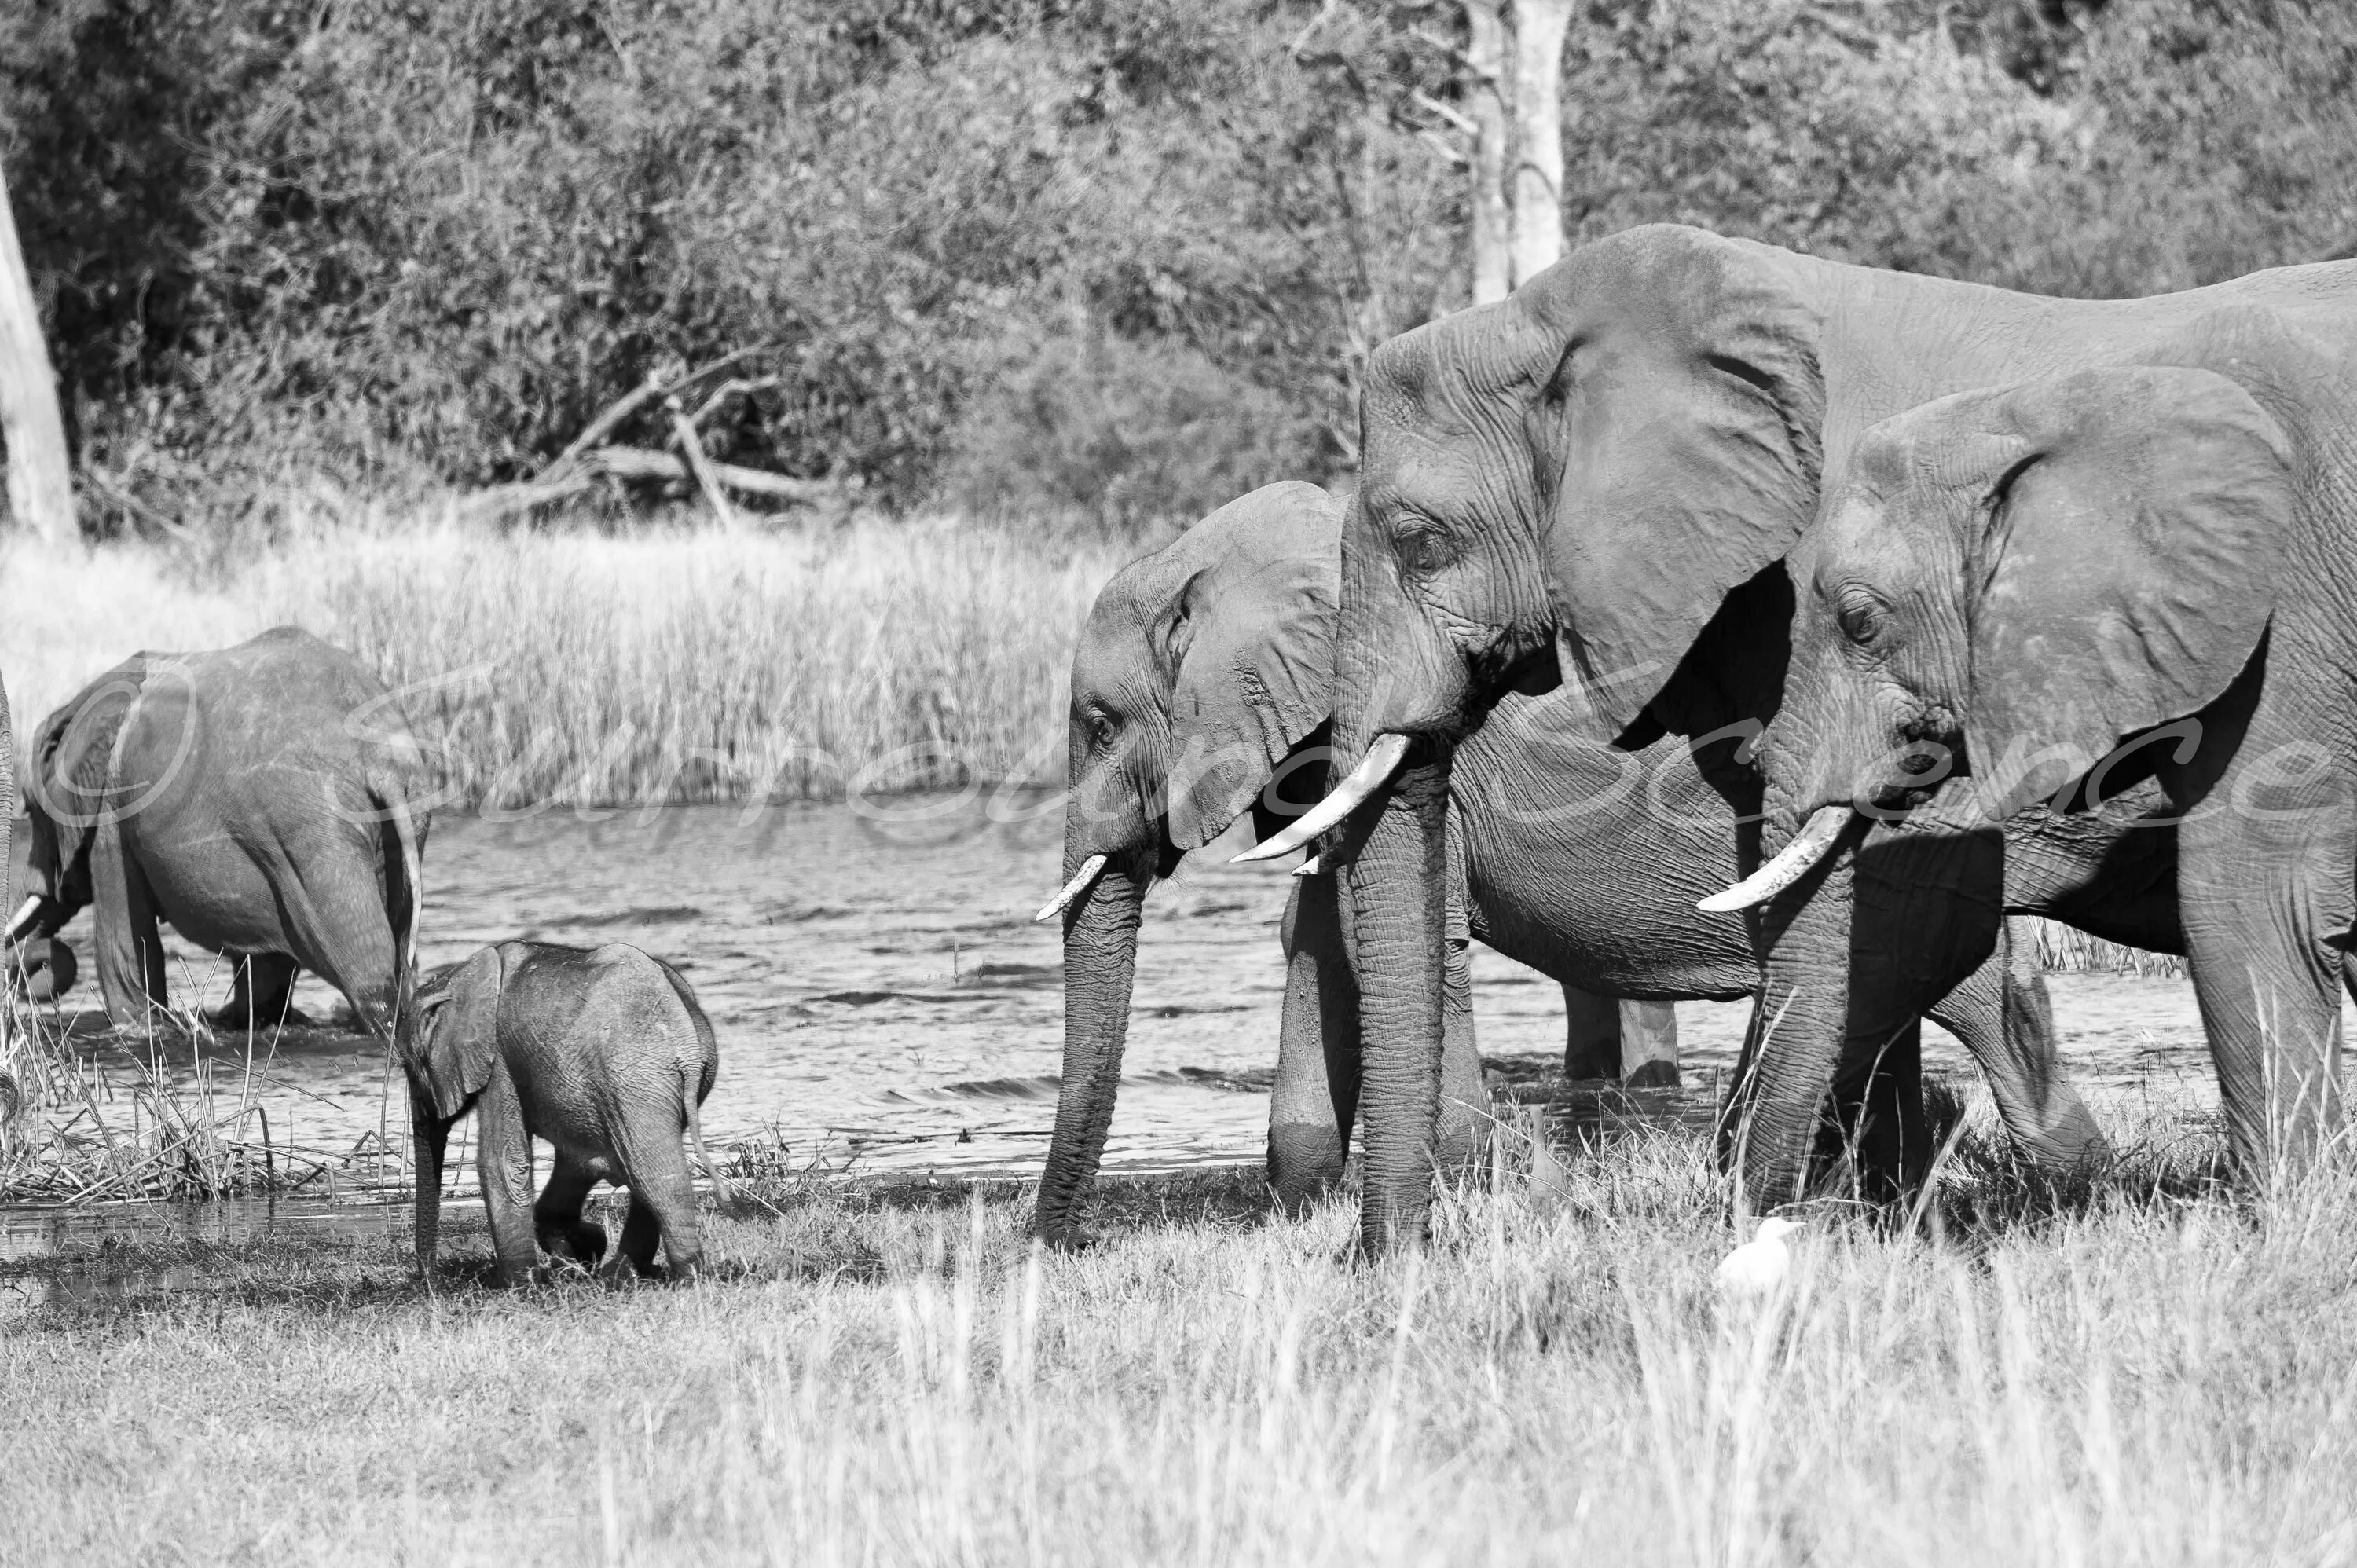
884	1004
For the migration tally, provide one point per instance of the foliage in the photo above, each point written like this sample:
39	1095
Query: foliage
422	243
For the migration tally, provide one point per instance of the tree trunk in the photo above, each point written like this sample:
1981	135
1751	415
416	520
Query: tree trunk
40	485
1494	277
1540	29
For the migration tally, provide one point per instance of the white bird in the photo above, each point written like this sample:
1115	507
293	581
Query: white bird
1759	1267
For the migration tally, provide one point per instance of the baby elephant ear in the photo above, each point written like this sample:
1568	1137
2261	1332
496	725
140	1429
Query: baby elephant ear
2133	545
459	1033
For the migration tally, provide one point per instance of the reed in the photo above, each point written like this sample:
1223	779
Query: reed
578	669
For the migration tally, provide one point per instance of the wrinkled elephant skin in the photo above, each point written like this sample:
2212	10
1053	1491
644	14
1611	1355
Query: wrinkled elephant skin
2155	558
1596	481
256	798
1200	694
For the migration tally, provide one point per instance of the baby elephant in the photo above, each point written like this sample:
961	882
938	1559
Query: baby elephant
603	1054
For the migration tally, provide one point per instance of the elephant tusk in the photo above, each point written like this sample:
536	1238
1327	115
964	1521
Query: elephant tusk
1308	867
1792	863
1374	771
27	913
1079	884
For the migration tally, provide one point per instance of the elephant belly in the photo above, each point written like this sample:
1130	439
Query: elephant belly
214	896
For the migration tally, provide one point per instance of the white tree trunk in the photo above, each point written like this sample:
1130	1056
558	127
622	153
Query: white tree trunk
1486	96
1540	29
40	484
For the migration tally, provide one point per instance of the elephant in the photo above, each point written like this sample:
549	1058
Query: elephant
1200	692
605	1054
2054	587
1590	488
258	798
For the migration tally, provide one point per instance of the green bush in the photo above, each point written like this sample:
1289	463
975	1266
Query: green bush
983	246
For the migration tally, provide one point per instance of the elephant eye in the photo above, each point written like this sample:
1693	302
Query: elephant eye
1422	545
1102	727
1860	617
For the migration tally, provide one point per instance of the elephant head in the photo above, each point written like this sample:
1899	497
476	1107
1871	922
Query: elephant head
1201	673
1589	483
65	787
2025	586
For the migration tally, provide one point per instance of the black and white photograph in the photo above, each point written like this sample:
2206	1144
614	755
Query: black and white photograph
855	783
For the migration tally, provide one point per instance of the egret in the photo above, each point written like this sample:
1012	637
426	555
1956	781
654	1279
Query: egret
1760	1266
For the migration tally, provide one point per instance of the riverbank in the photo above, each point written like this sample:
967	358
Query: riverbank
2126	1371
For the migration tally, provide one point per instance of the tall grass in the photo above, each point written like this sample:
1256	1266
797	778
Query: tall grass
2135	1378
579	669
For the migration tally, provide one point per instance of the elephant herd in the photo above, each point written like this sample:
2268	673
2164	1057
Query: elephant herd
266	801
1710	619
1707	622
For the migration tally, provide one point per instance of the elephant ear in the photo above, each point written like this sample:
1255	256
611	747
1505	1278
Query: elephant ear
458	1032
1252	635
66	772
2134	538
1680	434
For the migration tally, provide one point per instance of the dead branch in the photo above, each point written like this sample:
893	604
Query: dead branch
633	465
727	389
692	446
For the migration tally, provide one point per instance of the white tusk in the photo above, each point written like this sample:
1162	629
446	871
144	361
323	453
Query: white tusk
1792	863
1374	770
1308	867
1073	889
25	914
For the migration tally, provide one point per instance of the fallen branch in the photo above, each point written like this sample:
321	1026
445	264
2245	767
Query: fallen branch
692	446
634	464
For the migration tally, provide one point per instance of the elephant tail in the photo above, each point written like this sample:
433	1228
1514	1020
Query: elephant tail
690	1080
405	877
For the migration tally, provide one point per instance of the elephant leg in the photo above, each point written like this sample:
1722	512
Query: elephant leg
556	1222
653	1161
2005	1019
505	1161
261	995
1649	1045
2270	994
429	1137
1876	1123
1591	1047
130	948
1462	1136
1316	1094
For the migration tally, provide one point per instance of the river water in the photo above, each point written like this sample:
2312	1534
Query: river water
885	1004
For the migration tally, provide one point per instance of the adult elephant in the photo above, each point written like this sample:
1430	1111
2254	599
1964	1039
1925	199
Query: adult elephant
256	797
1200	692
2132	572
1594	482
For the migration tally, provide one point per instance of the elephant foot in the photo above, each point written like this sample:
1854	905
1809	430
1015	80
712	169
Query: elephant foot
1305	1163
235	1016
1653	1075
582	1242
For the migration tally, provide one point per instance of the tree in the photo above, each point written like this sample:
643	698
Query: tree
40	483
1516	124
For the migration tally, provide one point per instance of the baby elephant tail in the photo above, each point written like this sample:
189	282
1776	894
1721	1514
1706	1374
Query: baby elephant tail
692	1082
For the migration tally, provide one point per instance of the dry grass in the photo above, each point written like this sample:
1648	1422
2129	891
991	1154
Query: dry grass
2130	1376
578	669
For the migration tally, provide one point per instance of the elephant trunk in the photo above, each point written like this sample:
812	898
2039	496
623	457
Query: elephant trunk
1398	888
1867	943
1100	965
